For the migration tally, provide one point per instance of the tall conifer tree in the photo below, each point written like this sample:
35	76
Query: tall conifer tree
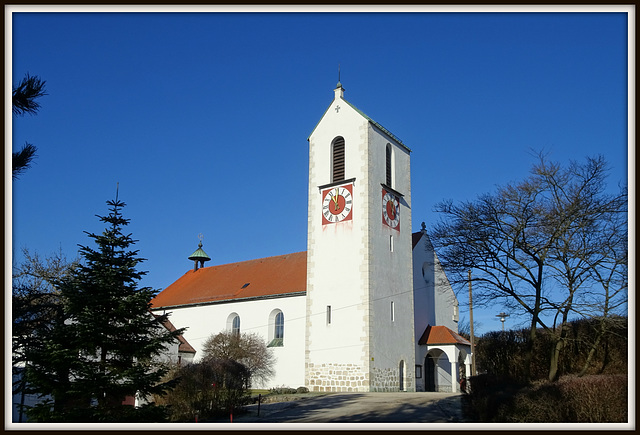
110	333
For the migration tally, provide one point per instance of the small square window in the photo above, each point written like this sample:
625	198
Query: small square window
328	314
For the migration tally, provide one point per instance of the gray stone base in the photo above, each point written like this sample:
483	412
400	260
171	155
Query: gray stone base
337	377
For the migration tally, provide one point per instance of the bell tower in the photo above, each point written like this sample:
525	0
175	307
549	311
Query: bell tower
360	330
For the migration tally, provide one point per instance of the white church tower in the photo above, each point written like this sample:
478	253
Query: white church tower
360	320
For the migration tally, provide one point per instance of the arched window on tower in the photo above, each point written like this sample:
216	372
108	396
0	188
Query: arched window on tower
389	167
337	159
276	329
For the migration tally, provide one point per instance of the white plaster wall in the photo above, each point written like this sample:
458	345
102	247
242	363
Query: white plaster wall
423	294
206	320
337	258
444	374
391	271
350	266
445	298
434	297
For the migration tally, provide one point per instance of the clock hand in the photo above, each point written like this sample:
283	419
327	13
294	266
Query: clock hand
335	199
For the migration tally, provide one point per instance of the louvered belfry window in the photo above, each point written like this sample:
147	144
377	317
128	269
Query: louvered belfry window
338	160
388	178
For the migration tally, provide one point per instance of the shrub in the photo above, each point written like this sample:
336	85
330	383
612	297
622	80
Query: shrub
596	399
249	349
589	399
207	389
488	394
502	353
302	390
282	390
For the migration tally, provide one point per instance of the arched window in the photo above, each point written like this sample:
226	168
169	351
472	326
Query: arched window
276	329
236	325
389	167
233	323
279	329
337	160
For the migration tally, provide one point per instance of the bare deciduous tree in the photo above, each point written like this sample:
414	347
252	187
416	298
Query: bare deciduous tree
249	349
558	224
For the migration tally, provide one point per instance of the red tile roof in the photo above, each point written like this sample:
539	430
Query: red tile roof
184	345
263	277
441	335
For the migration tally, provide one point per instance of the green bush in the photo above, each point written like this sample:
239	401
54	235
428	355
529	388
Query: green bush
282	390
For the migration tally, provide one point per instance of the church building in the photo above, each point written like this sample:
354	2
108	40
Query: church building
367	307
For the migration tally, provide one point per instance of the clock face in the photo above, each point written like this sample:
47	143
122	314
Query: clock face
390	210
337	203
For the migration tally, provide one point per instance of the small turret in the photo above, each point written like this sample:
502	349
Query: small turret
199	256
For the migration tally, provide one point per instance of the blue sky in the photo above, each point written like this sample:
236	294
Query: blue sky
199	116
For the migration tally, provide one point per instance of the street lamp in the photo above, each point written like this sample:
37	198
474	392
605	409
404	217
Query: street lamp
502	316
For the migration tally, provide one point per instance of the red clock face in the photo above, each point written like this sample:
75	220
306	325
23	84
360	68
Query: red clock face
390	210
337	203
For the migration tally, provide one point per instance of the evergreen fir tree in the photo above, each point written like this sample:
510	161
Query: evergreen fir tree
111	339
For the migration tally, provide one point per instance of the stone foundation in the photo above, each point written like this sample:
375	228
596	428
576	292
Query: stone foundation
385	380
337	377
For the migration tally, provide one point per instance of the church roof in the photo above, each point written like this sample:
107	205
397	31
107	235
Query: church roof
379	126
183	345
264	277
368	118
415	238
441	335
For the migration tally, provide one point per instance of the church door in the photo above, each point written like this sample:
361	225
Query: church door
429	374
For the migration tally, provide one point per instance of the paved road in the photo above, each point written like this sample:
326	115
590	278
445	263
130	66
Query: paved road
361	408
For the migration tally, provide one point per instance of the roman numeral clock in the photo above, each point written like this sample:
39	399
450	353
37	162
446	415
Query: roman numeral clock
337	204
390	209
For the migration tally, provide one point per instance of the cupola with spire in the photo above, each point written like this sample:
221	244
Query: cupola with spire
199	256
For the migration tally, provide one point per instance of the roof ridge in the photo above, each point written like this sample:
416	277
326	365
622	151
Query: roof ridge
377	124
251	260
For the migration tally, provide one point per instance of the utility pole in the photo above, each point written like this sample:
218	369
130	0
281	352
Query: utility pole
473	347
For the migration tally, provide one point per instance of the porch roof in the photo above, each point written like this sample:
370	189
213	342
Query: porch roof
441	335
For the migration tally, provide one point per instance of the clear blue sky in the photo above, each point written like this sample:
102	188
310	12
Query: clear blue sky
199	116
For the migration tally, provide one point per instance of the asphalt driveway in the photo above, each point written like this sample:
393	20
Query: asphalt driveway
361	408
